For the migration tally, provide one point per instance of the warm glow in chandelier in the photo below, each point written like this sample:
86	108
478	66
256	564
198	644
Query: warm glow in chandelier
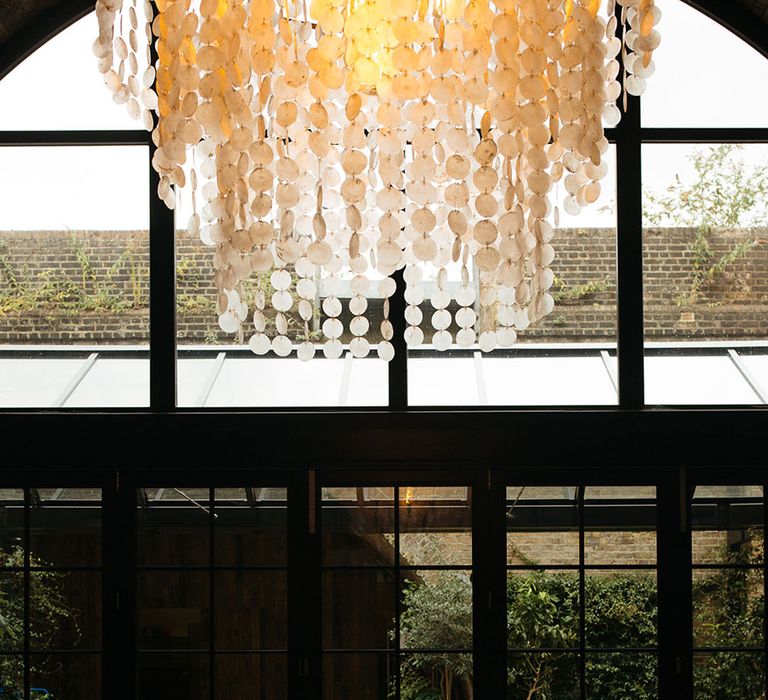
335	142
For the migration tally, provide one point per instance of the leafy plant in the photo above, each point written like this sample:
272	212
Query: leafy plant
49	612
563	292
437	614
726	194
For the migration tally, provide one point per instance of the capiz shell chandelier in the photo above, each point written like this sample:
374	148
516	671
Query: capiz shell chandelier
336	142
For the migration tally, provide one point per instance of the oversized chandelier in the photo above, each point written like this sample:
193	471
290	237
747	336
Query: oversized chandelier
336	142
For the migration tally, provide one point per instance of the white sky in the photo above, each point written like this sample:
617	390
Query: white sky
705	77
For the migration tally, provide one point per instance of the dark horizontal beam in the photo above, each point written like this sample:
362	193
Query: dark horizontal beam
123	137
416	440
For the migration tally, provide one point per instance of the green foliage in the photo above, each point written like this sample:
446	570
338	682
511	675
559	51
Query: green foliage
729	610
542	613
562	292
49	611
725	195
437	614
50	291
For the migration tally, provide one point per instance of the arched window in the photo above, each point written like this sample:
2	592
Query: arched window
76	261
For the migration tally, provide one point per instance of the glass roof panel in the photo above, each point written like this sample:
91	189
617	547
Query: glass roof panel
428	385
692	379
113	383
34	383
192	377
541	381
369	383
758	367
254	381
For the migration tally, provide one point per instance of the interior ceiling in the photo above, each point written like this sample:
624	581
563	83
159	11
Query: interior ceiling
15	15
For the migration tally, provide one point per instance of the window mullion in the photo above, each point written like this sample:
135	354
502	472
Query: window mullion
162	299
629	258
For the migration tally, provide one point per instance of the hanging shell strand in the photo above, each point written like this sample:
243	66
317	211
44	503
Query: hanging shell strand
338	142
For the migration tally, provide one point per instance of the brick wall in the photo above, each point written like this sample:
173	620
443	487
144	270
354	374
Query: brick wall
93	287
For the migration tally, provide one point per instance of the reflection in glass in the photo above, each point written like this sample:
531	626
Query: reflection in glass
251	527
357	531
12	598
164	676
66	676
358	608
250	676
11	527
358	676
251	609
173	527
65	528
173	608
65	610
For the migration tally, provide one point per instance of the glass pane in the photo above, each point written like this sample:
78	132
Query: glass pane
358	676
173	609
436	610
358	608
620	525
251	610
65	529
163	676
554	675
174	527
729	674
65	610
542	526
33	379
719	85
249	676
542	611
435	526
436	675
728	525
12	673
705	261
11	527
621	676
74	276
12	596
79	102
555	361
355	531
728	608
65	676
621	609
251	527
113	382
